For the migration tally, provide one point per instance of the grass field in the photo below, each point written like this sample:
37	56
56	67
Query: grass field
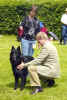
58	92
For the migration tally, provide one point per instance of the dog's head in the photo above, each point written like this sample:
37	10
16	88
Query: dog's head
16	58
15	55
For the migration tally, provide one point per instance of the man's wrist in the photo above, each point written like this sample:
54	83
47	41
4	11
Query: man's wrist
22	64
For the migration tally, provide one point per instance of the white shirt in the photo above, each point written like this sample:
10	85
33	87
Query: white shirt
64	19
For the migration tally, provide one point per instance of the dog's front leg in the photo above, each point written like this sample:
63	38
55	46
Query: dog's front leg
16	83
23	80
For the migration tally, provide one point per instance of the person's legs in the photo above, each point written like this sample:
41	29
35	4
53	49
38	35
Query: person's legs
65	40
61	39
64	33
24	47
47	75
50	81
65	37
31	51
34	79
36	73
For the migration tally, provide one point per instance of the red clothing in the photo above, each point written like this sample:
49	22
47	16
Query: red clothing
44	29
20	32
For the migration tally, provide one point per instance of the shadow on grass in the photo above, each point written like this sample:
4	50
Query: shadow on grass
12	84
44	85
28	87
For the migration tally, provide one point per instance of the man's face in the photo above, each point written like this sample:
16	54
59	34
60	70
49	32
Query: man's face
40	41
32	13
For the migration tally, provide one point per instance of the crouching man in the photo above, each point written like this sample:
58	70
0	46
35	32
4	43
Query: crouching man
45	65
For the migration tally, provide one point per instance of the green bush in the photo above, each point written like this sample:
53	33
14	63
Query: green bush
50	14
10	17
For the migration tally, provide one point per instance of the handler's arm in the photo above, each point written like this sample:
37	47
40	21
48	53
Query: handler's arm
43	54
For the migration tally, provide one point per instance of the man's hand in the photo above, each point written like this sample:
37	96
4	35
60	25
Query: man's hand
21	66
21	27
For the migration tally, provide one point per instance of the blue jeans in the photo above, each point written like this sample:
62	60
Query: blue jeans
64	33
27	47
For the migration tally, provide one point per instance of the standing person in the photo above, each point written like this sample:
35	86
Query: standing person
64	28
45	65
30	26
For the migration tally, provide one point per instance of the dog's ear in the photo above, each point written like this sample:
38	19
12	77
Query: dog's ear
18	48
13	48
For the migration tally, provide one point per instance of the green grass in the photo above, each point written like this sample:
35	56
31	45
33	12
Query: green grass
58	92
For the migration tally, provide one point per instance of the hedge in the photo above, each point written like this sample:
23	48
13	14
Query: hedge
49	14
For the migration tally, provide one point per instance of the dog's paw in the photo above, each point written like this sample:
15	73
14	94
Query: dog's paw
21	89
15	88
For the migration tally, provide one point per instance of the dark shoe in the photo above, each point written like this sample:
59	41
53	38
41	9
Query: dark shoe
36	90
51	83
61	41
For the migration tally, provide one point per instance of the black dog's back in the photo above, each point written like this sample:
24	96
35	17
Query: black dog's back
16	59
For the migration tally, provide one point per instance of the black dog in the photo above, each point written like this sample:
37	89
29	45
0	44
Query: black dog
16	59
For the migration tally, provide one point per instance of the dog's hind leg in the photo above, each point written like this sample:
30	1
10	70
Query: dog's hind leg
16	83
23	82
